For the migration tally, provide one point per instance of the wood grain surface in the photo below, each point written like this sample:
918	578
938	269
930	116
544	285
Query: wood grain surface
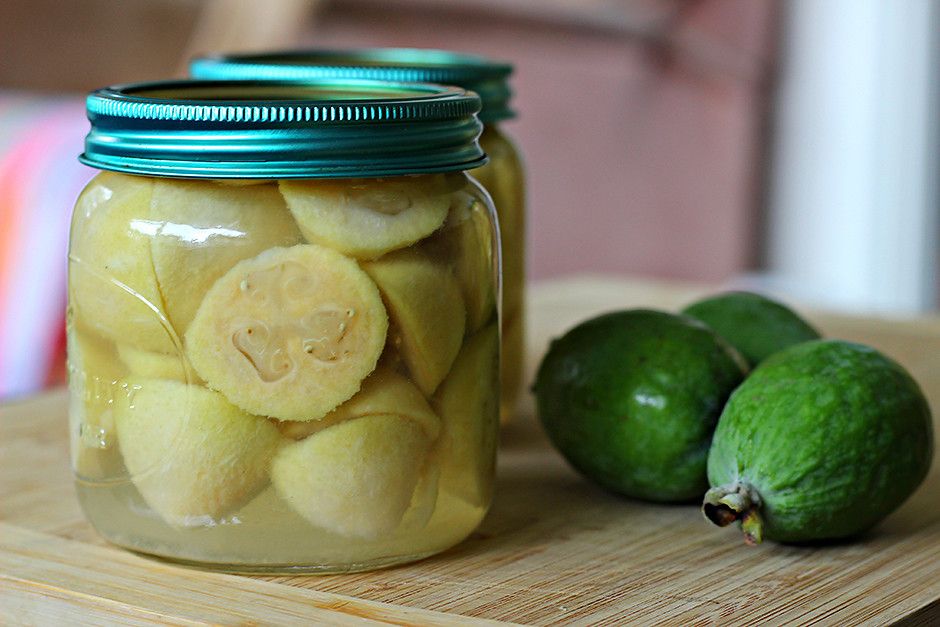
554	549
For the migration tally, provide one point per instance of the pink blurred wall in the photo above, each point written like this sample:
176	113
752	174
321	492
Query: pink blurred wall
640	120
642	135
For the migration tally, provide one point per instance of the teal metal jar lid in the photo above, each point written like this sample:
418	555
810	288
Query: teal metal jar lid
327	128
488	78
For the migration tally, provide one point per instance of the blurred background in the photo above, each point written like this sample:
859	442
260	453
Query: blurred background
788	146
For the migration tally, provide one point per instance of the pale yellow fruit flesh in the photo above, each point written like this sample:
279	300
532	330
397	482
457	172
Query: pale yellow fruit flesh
202	229
468	404
356	478
151	365
192	456
467	241
298	430
424	498
366	218
387	392
425	302
391	358
383	392
112	285
289	334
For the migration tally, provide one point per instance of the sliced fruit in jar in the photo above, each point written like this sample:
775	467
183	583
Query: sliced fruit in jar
468	403
387	392
94	384
290	333
202	229
424	498
424	301
391	357
298	430
383	392
193	456
468	240
367	218
141	363
112	285
356	478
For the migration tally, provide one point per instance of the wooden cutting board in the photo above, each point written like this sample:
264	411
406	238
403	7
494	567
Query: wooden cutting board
554	549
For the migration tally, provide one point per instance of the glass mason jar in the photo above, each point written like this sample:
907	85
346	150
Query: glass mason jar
503	176
283	323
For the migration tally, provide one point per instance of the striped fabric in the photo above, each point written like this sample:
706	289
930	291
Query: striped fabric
40	178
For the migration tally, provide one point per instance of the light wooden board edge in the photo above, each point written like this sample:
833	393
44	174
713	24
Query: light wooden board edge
45	579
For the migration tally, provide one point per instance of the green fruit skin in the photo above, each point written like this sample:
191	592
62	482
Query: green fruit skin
755	325
832	435
631	400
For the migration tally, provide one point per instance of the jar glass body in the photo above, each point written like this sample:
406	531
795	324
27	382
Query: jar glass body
284	376
503	177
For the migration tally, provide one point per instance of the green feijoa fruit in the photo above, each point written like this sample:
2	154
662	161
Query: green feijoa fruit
631	399
755	325
822	441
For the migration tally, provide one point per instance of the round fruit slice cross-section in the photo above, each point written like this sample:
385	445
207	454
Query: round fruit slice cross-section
290	333
192	455
367	218
424	300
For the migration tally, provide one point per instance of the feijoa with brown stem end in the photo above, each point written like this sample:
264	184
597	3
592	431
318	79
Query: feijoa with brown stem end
821	442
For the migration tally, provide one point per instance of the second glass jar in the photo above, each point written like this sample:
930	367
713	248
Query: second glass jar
503	176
